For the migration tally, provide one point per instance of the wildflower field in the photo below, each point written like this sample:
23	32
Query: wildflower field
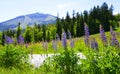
101	51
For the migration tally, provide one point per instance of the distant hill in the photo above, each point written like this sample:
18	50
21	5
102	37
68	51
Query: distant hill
29	19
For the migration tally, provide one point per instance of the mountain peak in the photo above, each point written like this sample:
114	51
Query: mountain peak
29	19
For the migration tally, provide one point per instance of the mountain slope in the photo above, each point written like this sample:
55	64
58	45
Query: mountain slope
29	19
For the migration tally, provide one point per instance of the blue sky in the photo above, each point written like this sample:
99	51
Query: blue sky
12	8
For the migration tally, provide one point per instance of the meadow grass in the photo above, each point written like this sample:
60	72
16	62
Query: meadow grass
87	67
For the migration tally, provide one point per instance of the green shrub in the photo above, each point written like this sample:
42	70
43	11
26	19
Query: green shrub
66	63
106	61
13	57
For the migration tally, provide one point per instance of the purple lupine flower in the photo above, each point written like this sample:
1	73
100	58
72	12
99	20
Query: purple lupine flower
93	44
114	41
102	35
54	44
71	43
57	37
69	34
86	29
8	40
64	41
20	39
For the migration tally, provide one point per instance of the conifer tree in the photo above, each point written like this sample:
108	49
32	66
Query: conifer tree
18	30
59	26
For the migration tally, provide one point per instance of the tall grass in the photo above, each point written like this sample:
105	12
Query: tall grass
104	60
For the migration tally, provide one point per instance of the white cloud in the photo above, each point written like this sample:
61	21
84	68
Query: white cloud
67	5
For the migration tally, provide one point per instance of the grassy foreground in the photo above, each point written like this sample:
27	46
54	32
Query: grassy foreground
104	60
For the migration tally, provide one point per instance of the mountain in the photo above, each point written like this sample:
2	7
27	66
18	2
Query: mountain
29	19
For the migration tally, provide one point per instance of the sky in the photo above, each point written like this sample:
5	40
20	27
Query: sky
12	8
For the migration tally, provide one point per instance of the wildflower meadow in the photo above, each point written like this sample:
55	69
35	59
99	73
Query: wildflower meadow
83	43
101	53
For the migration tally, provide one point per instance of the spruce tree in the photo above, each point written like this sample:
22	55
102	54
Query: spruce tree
3	38
59	26
44	32
18	30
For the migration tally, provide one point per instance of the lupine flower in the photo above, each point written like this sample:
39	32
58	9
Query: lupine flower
54	44
57	37
8	40
69	34
71	43
114	41
93	44
64	41
86	29
20	39
102	35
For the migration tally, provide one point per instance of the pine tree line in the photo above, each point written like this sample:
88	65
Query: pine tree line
98	15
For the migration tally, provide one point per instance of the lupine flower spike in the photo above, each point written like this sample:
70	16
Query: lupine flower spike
57	37
64	41
71	40
93	43
86	29
54	44
69	34
72	43
114	41
20	39
8	40
103	36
